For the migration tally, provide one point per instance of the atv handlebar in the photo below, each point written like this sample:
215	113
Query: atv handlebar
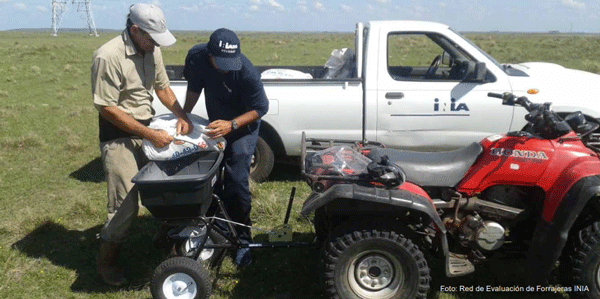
544	121
496	95
511	100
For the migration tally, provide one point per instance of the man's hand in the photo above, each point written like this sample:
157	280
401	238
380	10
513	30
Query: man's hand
160	138
219	128
167	97
184	126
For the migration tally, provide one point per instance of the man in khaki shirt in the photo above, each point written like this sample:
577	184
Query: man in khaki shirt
125	73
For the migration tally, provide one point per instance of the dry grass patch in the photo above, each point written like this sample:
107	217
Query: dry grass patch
6	112
28	141
73	141
36	70
82	110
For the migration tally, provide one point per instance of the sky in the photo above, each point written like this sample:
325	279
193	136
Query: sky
320	15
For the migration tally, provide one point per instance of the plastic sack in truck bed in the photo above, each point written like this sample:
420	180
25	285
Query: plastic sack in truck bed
340	64
183	145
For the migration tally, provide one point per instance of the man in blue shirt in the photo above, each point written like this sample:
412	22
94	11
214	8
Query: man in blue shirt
235	101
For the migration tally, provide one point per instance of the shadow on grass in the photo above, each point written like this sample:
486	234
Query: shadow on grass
76	250
285	172
280	273
93	172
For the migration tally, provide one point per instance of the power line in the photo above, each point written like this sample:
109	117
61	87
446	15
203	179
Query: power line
59	8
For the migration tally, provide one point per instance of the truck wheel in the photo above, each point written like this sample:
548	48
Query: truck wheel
262	161
375	264
210	257
585	261
180	277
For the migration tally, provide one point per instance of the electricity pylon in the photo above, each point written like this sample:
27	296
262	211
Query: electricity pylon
59	7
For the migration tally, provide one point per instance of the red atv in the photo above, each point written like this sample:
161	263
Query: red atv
383	214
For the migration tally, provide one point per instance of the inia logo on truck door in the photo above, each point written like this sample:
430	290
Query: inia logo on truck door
453	105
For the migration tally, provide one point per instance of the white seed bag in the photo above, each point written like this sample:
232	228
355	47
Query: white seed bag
183	145
284	74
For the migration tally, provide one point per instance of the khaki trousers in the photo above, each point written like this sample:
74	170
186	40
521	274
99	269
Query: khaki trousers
122	158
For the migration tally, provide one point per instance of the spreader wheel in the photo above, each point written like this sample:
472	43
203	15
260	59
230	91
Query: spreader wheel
180	278
211	257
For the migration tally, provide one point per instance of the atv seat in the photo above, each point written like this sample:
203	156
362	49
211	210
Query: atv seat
439	169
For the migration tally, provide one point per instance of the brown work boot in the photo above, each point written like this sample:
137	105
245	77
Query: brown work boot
106	264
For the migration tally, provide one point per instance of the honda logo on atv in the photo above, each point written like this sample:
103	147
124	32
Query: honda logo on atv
506	152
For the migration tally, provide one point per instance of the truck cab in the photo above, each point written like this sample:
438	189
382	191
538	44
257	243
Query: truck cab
429	86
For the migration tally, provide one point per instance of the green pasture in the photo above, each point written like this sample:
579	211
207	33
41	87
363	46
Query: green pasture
52	193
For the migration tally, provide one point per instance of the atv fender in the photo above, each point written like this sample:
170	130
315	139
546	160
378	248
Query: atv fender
550	237
413	198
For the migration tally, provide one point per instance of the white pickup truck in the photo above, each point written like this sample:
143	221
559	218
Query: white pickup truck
411	85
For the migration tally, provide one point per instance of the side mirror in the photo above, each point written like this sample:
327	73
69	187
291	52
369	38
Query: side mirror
474	71
480	71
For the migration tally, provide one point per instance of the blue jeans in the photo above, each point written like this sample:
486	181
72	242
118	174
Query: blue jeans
235	191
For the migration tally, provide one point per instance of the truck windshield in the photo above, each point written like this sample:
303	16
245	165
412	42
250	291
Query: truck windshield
502	67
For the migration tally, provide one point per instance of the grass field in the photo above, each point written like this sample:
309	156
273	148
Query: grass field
53	196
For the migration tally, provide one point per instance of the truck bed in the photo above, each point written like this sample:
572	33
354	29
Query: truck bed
175	72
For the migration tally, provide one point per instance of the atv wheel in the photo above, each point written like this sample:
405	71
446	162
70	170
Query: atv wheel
375	264
180	278
585	262
211	257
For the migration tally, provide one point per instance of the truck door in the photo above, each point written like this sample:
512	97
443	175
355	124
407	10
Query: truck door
424	101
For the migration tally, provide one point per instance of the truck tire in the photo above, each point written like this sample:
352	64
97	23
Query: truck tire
585	262
262	161
375	264
180	277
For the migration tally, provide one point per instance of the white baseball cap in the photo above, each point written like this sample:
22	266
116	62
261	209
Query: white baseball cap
150	18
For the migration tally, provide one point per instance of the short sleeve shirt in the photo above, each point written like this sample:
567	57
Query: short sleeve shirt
124	78
229	95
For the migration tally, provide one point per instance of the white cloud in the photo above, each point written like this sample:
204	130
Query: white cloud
474	10
211	5
4	1
346	8
275	4
41	8
301	6
419	11
382	1
573	4
254	8
194	8
254	2
319	6
157	3
20	5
